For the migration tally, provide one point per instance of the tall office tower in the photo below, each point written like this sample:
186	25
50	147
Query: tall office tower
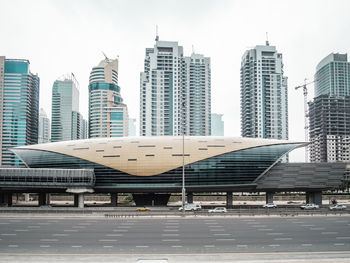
132	127
329	122
44	127
217	125
198	95
108	115
65	119
333	76
329	112
174	89
84	129
19	108
264	94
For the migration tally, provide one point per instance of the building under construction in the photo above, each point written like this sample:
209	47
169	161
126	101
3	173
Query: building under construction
329	122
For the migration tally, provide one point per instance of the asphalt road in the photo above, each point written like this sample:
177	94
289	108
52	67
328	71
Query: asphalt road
30	237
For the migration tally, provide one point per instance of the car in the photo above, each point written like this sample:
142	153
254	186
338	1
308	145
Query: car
309	206
218	210
191	207
143	209
337	207
270	205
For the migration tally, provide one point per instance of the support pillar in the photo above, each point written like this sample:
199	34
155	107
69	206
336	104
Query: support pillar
308	197
269	197
190	198
228	199
114	199
26	198
81	200
8	199
76	200
42	199
2	198
48	199
317	198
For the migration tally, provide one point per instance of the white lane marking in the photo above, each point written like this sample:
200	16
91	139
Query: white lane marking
170	230
12	245
78	226
15	221
107	240
308	225
115	235
45	246
8	234
258	225
170	235
142	246
242	246
4	223
60	235
265	229
329	233
225	239
44	224
170	240
21	230
76	246
317	228
342	237
209	246
176	246
339	244
48	240
214	226
33	226
120	230
275	234
172	226
122	227
283	238
222	234
70	230
216	230
274	245
107	246
211	223
306	245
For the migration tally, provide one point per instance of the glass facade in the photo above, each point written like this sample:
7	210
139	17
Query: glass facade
230	169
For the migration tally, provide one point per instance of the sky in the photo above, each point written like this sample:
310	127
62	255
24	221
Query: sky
63	36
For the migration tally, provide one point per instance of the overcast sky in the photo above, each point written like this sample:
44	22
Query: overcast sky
62	36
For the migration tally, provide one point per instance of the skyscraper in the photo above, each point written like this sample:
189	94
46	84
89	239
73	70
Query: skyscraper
329	112
217	125
174	88
132	127
19	108
65	120
264	94
44	127
108	115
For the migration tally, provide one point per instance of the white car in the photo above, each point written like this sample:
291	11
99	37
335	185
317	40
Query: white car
337	207
191	207
218	210
309	206
270	205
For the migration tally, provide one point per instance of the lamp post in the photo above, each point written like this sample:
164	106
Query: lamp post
183	158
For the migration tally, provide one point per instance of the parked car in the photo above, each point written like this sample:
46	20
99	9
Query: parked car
191	207
270	205
143	209
218	210
337	207
309	206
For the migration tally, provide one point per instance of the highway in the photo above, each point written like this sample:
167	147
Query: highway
37	237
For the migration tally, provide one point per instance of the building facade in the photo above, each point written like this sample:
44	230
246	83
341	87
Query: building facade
333	76
132	127
44	127
264	94
108	115
174	89
66	118
217	125
19	108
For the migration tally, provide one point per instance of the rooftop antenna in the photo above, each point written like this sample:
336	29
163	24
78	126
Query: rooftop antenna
105	55
157	37
267	39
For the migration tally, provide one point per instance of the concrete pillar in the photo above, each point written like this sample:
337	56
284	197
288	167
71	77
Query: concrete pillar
42	199
317	197
76	200
308	198
269	197
48	199
26	198
2	198
228	199
190	198
114	199
81	200
8	199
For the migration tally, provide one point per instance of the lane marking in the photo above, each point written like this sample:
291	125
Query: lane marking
115	235
44	224
283	238
21	230
170	235
60	235
242	246
108	246
4	223
307	225
170	240
120	230
107	240
275	234
218	234
214	226
170	230
258	225
329	233
265	229
209	246
8	234
306	245
76	246
45	246
48	240
12	245
70	230
317	228
339	244
78	227
225	239
142	246
342	237
176	246
33	226
274	245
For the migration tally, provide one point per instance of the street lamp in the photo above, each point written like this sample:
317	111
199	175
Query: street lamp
183	158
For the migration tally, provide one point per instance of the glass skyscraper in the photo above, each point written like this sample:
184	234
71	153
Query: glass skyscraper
217	125
108	115
19	108
44	127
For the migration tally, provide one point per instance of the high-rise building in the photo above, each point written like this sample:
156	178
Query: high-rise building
174	89
333	76
19	108
84	129
44	127
264	94
217	125
65	119
108	115
132	127
329	112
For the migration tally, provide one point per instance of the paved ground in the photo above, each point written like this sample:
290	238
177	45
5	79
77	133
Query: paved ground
175	239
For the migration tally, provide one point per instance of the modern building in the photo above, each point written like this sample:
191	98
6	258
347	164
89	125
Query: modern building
264	94
65	119
132	127
44	127
217	125
174	89
333	76
84	129
108	115
19	108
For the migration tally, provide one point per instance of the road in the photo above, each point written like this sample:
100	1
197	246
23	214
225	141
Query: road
25	238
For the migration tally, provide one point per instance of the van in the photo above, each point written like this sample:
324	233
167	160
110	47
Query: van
191	207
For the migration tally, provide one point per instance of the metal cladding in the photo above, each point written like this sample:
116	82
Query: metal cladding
150	156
